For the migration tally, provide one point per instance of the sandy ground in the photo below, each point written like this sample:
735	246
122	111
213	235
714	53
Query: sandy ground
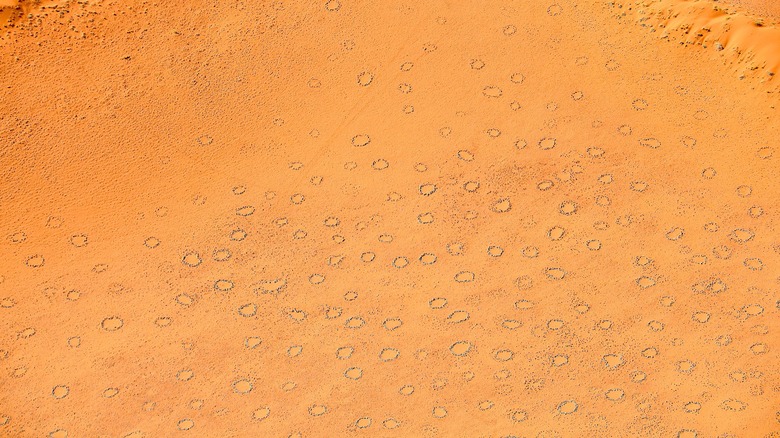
767	9
389	218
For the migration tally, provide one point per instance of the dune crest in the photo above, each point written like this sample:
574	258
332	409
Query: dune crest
745	42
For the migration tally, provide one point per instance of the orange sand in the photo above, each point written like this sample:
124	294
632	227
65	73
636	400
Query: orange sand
389	218
745	41
767	9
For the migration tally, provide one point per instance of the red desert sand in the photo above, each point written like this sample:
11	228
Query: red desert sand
345	218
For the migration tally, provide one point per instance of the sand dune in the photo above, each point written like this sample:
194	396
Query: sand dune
354	218
748	44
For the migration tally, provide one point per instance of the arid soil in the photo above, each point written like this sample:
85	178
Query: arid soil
338	218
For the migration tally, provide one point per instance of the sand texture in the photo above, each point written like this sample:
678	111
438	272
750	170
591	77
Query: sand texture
353	218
